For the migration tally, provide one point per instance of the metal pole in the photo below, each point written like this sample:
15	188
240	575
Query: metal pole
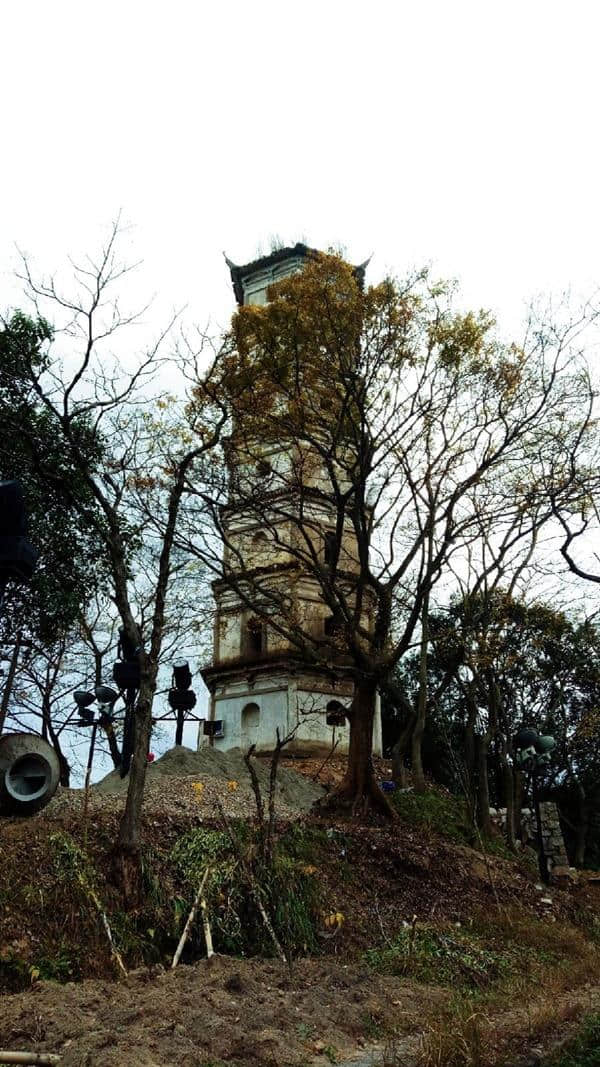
179	729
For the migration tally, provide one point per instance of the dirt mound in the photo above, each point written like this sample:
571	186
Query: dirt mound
246	1013
296	791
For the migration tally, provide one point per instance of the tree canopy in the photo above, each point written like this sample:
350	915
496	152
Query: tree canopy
58	500
403	428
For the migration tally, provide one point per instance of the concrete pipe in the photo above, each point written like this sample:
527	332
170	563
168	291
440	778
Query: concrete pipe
29	773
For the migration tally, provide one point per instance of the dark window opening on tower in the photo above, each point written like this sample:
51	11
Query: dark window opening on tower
336	715
330	546
254	637
264	468
332	626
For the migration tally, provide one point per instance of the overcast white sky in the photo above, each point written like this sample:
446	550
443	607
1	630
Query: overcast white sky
463	133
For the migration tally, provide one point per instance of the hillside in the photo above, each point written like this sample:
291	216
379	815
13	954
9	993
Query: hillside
406	943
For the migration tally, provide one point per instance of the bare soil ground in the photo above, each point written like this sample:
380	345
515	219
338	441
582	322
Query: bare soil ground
252	1013
247	1012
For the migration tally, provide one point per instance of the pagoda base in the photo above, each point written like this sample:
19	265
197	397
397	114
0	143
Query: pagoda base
253	705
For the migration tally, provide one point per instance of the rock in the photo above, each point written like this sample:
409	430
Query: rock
562	874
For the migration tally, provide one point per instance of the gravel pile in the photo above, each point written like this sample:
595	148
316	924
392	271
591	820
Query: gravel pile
187	782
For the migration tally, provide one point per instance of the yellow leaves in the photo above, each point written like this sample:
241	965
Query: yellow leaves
198	788
508	376
232	786
141	482
319	309
309	869
334	920
462	340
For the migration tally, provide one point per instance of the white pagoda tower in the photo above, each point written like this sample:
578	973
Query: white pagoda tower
257	680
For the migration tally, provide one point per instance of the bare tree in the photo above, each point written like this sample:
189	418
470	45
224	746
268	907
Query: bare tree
148	440
372	435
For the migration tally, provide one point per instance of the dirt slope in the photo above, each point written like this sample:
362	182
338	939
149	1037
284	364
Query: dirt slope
240	1011
250	1013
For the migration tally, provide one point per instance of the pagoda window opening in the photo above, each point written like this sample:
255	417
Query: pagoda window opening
330	546
255	637
332	626
336	714
250	717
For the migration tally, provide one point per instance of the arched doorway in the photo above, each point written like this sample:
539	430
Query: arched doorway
250	724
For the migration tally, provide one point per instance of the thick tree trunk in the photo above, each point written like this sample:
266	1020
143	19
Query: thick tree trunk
129	843
359	790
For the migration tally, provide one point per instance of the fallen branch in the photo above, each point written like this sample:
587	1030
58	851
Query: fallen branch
206	927
44	1059
188	926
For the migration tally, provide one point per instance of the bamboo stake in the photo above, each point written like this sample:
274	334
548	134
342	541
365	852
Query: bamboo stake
113	948
206	927
254	887
190	920
44	1059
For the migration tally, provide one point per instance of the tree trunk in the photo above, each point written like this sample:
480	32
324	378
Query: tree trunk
471	759
581	827
483	790
10	678
399	752
53	738
359	790
508	790
416	746
128	852
113	744
518	794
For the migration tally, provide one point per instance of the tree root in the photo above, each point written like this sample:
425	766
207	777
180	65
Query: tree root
348	797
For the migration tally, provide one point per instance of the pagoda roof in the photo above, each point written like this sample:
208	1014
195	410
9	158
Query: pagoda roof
297	251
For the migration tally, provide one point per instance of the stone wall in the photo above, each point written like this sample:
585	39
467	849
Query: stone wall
552	837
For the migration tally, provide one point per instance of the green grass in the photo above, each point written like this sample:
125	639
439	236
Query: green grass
289	889
583	1050
441	955
446	814
435	810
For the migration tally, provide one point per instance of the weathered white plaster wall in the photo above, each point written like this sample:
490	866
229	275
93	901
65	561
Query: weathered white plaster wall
282	702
